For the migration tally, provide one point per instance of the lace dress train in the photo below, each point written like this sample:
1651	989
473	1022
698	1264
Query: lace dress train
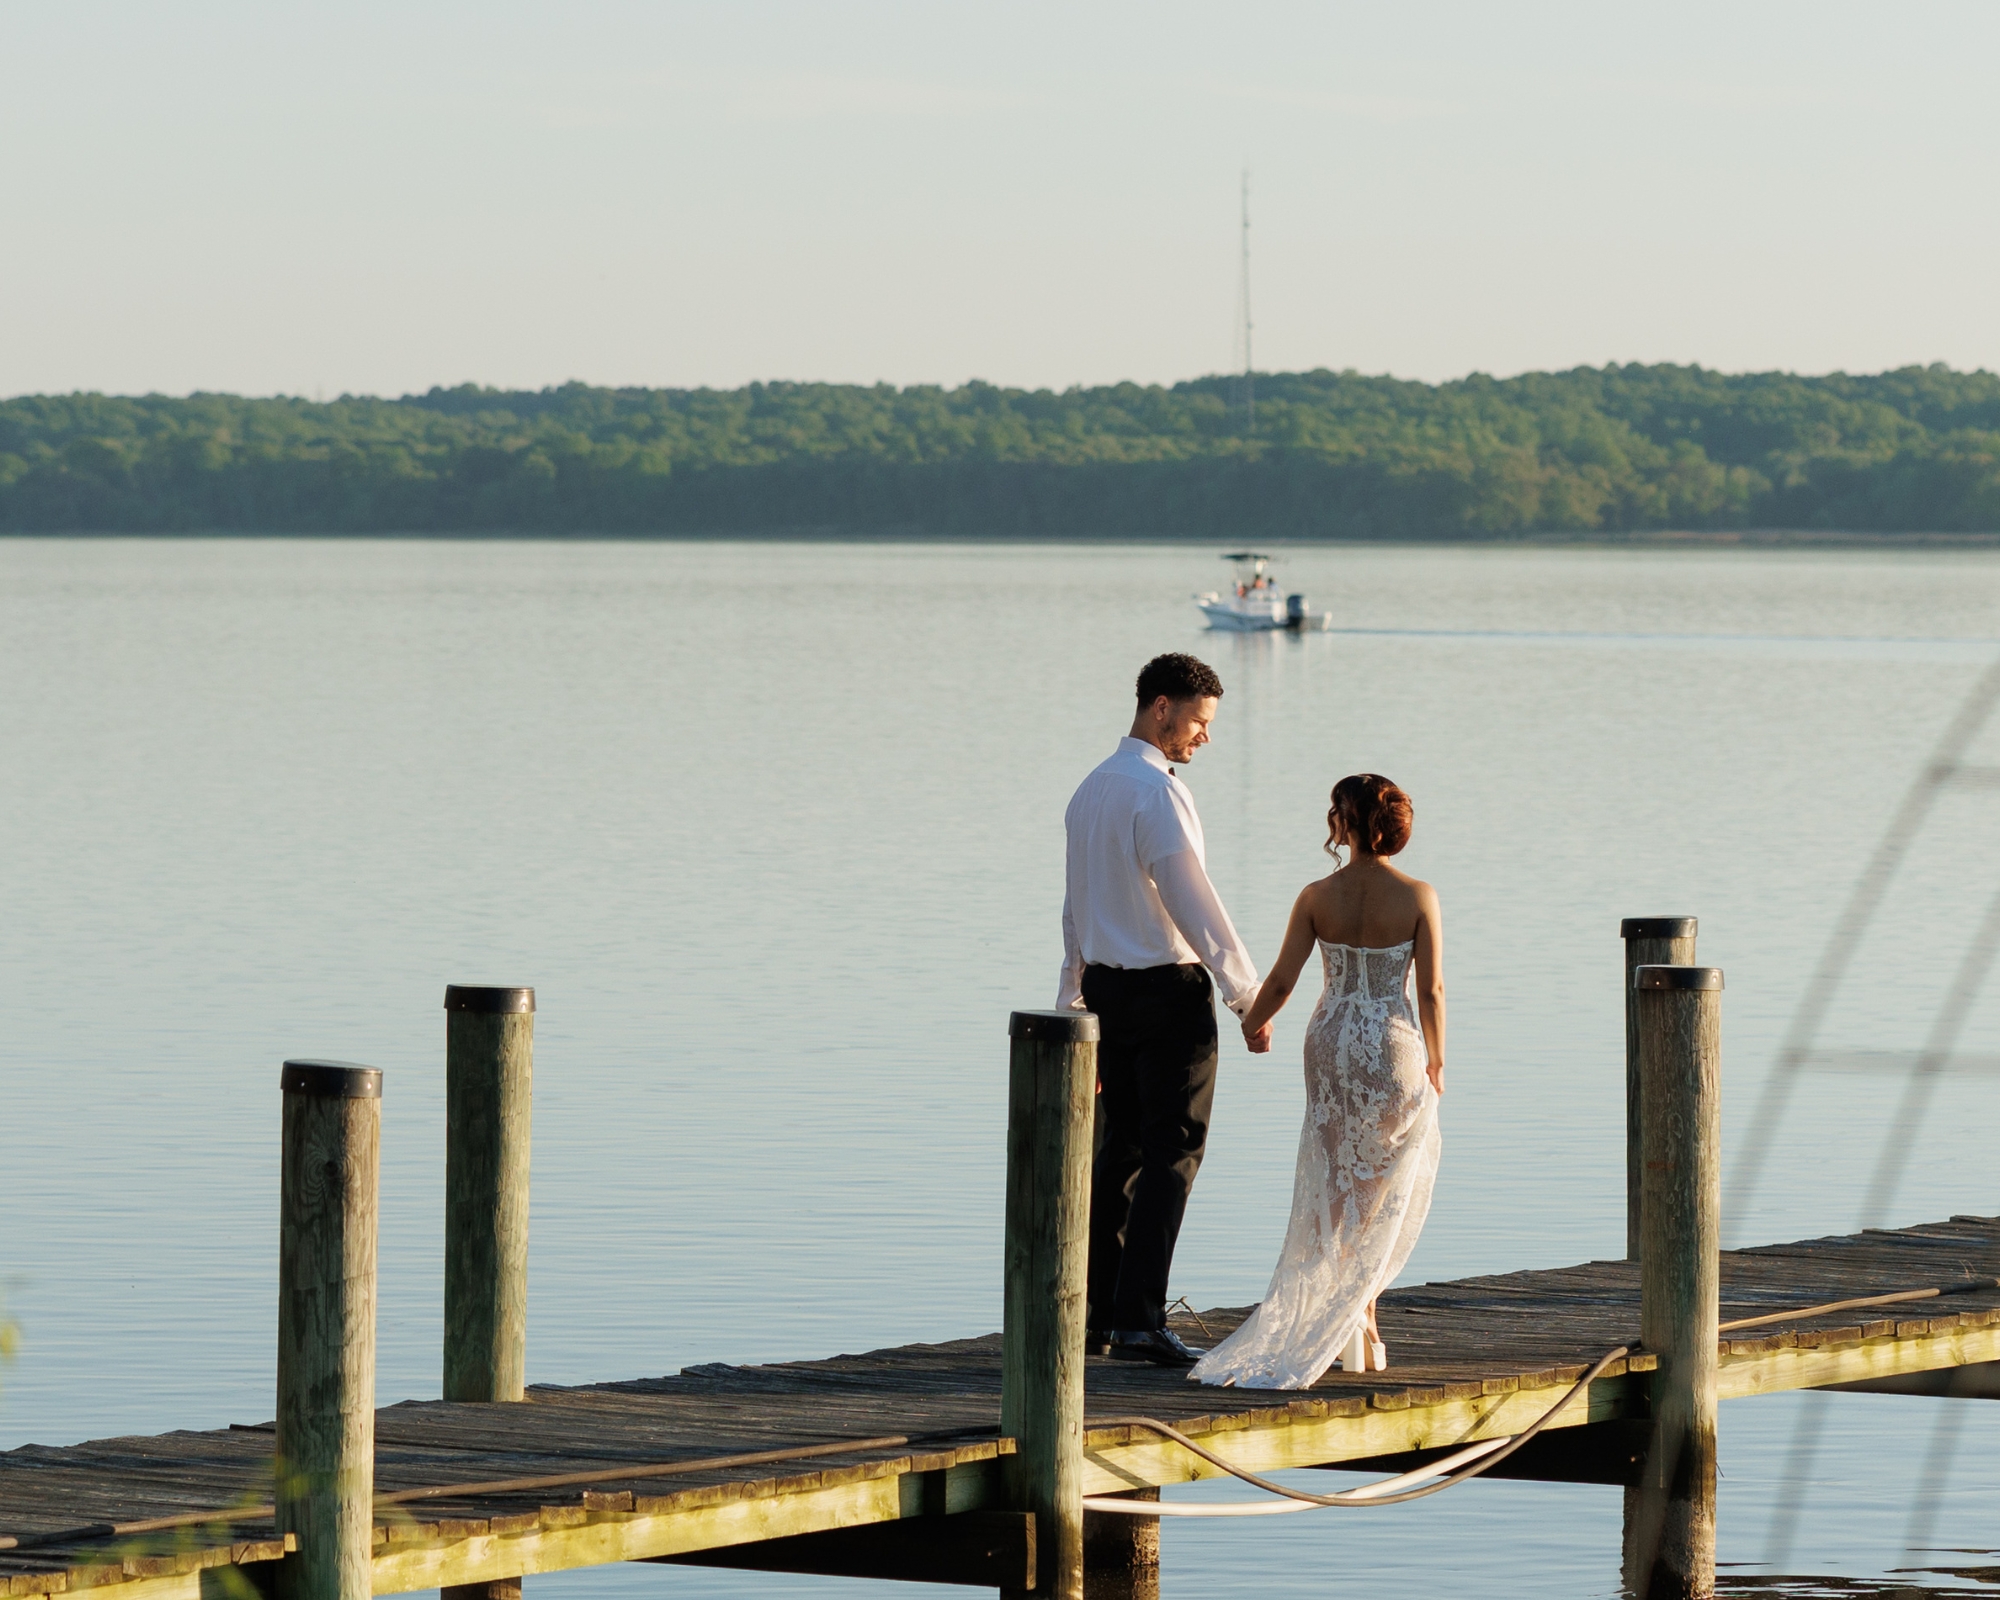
1368	1157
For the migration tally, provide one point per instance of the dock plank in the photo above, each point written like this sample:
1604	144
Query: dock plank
1473	1359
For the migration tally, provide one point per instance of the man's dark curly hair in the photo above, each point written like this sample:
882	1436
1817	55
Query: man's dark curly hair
1178	677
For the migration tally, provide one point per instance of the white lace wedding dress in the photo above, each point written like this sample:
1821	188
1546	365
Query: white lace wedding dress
1368	1156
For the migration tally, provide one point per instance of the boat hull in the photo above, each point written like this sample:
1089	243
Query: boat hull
1223	619
1231	620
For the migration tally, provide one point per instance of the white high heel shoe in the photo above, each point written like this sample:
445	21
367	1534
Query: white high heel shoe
1364	1354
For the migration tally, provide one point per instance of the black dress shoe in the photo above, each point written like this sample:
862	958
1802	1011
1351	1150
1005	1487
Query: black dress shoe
1157	1345
1096	1343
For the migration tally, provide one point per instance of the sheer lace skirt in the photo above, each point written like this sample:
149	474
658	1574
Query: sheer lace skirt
1368	1157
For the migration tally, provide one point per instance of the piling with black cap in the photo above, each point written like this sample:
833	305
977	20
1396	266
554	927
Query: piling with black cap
1670	1513
329	1188
1051	1088
1649	942
489	1059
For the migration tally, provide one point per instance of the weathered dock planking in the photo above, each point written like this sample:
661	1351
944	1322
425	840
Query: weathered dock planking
1470	1359
975	1462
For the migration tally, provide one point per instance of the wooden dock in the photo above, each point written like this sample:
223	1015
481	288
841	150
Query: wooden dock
1471	1359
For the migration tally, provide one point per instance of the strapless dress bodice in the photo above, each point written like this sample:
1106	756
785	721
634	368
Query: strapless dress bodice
1366	972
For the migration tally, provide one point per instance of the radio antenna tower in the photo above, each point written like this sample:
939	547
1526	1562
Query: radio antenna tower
1249	369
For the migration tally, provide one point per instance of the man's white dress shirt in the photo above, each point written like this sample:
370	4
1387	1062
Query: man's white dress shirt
1138	893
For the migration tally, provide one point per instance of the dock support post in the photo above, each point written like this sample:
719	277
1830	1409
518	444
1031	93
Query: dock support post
1649	942
1051	1086
329	1187
489	1059
1670	1514
1121	1555
489	1075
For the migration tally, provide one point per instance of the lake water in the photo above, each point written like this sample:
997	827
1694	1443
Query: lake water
775	832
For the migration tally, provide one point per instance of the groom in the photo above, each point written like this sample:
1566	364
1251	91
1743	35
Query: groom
1141	922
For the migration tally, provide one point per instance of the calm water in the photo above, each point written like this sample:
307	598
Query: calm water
775	830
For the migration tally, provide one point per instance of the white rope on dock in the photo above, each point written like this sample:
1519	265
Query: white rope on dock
1461	1467
1458	1468
1453	1469
1279	1508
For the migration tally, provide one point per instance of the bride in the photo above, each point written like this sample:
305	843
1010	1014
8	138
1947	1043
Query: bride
1368	1153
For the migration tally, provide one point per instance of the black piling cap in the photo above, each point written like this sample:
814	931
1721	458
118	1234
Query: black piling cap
334	1080
1677	977
1657	928
486	1001
1057	1027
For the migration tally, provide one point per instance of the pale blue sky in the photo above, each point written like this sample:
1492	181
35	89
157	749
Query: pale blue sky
378	197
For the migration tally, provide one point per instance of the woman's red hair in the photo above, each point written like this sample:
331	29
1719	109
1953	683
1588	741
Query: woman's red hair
1377	814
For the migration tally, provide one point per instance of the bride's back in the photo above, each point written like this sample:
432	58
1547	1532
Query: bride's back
1368	904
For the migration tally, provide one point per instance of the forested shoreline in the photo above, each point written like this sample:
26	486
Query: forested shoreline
1613	450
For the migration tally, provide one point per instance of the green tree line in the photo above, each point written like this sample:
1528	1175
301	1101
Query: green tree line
1334	454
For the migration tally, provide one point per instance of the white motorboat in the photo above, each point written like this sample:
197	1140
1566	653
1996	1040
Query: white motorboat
1257	604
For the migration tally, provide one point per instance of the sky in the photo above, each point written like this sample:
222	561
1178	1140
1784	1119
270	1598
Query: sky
374	198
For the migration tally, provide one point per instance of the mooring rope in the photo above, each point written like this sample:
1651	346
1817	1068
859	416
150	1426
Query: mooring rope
1455	1469
1964	1286
1460	1467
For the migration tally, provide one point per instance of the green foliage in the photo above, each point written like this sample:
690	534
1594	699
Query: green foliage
1336	454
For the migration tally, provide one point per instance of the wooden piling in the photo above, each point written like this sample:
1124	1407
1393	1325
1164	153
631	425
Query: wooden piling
489	1057
1670	1515
488	1076
1052	1081
1649	942
329	1186
1121	1554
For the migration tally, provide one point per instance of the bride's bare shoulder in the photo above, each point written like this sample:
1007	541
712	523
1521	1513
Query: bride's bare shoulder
1418	895
1315	901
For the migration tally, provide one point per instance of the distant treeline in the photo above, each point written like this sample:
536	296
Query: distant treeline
1334	454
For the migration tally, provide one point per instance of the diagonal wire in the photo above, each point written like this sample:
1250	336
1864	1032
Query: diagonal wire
1937	1472
1947	763
1861	906
1793	1482
1897	1146
1898	1143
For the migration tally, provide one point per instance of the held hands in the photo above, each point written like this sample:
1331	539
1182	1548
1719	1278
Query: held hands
1257	1040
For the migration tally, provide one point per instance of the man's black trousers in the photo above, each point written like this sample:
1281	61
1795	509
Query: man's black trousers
1156	1060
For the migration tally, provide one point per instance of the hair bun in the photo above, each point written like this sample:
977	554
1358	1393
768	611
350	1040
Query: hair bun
1377	813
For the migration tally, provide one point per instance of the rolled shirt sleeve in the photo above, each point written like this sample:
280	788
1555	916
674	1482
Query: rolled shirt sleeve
1069	988
1137	893
1190	899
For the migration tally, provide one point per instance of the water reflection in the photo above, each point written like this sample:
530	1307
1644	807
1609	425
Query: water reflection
1922	1584
1140	1583
259	781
